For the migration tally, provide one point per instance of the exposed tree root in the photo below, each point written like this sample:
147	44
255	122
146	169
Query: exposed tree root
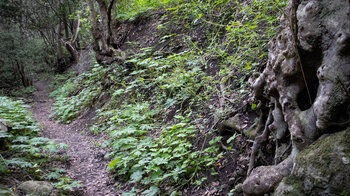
258	142
263	179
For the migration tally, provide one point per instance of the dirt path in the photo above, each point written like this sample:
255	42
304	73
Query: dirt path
86	162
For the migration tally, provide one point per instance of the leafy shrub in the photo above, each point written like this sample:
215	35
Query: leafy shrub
148	148
27	149
130	9
24	92
77	94
150	160
62	85
67	184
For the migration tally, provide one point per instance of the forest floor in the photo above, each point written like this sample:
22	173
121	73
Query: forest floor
86	161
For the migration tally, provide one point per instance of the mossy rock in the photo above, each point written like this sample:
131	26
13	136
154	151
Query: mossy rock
3	131
323	168
36	188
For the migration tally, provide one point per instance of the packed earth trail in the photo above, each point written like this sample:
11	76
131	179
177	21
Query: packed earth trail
86	162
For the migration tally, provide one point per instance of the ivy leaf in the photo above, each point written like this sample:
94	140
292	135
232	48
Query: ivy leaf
113	163
4	134
136	176
160	161
253	107
231	138
129	194
144	127
53	176
59	170
77	184
152	191
174	193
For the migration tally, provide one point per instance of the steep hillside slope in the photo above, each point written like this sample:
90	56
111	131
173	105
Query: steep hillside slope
177	97
174	96
172	91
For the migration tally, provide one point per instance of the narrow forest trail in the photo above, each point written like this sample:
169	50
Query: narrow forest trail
86	162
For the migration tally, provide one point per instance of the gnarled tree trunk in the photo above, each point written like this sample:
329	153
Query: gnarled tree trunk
306	83
70	45
102	31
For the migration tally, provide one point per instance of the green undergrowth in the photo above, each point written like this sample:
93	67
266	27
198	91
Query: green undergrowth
23	150
152	154
146	150
21	145
57	81
235	39
131	9
77	94
159	103
27	92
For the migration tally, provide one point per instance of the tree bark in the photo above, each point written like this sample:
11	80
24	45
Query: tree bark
307	79
112	14
102	32
104	27
26	81
94	30
70	44
61	64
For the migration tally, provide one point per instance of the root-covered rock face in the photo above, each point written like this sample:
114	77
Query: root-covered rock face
306	85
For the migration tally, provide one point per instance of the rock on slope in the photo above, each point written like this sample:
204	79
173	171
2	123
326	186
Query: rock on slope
321	169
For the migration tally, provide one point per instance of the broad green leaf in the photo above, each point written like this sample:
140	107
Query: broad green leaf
152	191
253	106
136	176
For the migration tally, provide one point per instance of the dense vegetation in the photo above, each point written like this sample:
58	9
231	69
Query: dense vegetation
23	149
160	103
28	149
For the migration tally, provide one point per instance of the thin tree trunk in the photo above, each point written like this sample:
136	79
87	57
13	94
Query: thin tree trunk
25	80
59	51
70	45
59	44
111	14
